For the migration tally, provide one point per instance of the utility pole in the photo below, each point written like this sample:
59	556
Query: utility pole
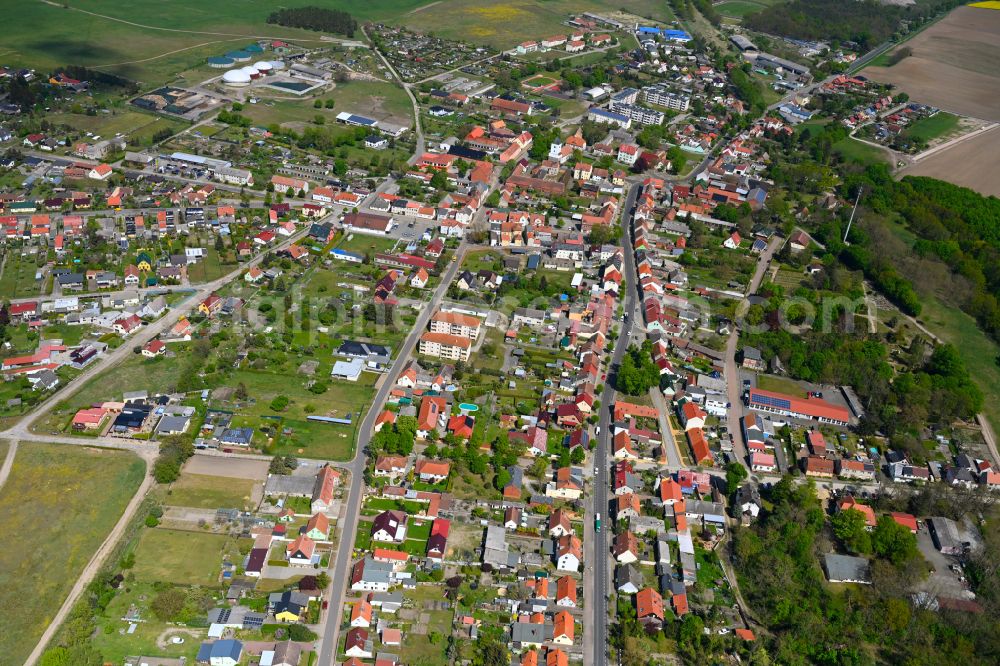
851	221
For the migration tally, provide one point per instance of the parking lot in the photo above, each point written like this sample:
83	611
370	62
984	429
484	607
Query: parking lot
943	581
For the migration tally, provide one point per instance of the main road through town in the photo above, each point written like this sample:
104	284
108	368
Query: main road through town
349	513
596	576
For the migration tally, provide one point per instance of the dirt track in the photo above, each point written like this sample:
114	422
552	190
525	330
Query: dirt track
971	163
955	65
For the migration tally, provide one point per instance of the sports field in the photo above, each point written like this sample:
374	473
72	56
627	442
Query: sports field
955	65
60	502
740	8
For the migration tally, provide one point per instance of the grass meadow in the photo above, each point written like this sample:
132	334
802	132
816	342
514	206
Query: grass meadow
202	491
61	502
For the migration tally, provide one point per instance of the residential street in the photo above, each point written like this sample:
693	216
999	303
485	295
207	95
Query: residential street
351	510
734	385
597	575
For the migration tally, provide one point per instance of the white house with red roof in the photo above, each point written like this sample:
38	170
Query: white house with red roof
126	326
154	348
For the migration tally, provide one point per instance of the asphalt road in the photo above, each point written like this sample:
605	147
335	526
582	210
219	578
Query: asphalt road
734	386
597	578
340	567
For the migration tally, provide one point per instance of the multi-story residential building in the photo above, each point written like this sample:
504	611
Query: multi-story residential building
456	323
445	345
662	96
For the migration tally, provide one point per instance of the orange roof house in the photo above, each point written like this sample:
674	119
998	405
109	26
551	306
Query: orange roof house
699	447
431	409
564	628
566	591
649	605
851	504
433	471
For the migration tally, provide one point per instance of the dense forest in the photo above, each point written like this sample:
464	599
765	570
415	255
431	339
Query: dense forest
778	562
867	23
956	225
315	18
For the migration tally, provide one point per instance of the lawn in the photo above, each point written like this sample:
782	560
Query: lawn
183	558
209	492
779	385
362	243
18	278
375	99
853	150
209	268
309	439
133	124
61	502
932	127
114	642
954	326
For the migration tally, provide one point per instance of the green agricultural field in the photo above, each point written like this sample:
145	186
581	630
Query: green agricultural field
182	558
139	40
61	502
938	125
209	492
507	23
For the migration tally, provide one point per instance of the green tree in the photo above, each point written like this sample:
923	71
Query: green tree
735	474
851	528
894	542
